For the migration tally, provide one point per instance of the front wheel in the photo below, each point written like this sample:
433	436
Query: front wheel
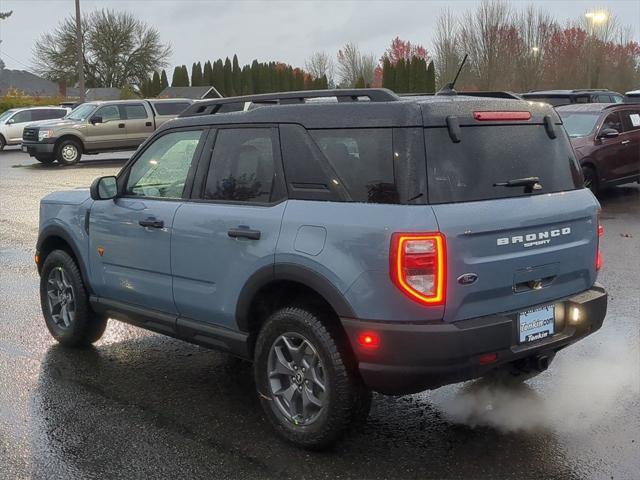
69	152
306	383
65	303
3	143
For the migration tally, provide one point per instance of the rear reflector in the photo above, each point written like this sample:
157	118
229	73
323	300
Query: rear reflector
418	266
598	254
488	358
489	116
369	340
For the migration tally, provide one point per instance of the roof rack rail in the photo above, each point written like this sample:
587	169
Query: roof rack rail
213	106
488	94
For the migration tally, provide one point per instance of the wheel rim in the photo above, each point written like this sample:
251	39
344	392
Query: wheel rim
69	153
297	379
588	179
60	298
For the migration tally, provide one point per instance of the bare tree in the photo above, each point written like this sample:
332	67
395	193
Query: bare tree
489	37
119	50
355	67
319	64
368	66
535	27
446	46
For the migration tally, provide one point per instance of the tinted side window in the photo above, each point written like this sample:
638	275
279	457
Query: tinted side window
22	117
631	120
612	121
170	108
583	99
161	171
603	99
363	161
133	112
108	113
242	166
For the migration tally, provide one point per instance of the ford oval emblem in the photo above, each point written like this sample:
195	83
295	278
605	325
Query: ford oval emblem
467	278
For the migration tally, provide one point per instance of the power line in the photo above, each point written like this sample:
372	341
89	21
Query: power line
27	67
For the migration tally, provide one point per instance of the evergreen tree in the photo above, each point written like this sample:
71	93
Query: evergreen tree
218	77
176	79
255	76
156	86
247	80
196	75
228	78
388	74
207	74
164	83
430	80
360	83
185	76
236	76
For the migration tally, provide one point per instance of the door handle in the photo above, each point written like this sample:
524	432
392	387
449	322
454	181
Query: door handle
121	125
244	233
624	142
148	124
151	222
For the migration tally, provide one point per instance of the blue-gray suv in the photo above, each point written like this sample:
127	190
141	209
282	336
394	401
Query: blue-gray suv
344	241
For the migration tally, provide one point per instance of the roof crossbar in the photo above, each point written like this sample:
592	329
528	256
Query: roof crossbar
213	106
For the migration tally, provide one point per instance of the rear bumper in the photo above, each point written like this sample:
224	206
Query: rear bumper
416	357
40	149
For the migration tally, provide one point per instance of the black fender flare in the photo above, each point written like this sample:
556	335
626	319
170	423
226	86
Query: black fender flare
294	273
57	231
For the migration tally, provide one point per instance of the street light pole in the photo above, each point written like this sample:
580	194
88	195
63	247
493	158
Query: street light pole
80	52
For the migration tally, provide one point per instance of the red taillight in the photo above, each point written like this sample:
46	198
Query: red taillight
488	358
598	254
418	266
489	116
369	340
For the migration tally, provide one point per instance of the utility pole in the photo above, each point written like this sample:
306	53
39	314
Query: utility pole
80	52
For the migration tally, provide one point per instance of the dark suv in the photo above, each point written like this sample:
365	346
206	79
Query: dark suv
566	97
606	139
345	241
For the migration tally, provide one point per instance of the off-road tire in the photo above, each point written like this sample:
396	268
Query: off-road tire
87	326
348	400
64	152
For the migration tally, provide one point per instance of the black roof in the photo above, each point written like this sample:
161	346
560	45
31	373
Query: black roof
564	93
357	108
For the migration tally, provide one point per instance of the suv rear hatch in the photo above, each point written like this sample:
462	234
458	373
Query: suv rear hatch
509	247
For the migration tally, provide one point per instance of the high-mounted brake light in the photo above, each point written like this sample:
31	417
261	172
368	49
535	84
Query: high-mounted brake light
492	116
418	266
598	254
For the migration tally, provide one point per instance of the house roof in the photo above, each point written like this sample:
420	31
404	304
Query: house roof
196	93
26	82
102	94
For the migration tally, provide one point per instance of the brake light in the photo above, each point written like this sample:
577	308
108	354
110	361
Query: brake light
598	254
489	116
418	266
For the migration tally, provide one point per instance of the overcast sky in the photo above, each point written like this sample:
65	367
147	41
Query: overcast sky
287	31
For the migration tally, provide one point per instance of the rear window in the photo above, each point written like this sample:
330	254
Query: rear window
467	171
554	101
578	124
363	161
170	108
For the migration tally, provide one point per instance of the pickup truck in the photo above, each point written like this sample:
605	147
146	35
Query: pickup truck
97	127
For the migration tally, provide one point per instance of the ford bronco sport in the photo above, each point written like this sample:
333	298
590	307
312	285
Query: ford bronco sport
369	243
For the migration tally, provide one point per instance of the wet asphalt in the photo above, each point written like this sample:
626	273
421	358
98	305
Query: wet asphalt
139	405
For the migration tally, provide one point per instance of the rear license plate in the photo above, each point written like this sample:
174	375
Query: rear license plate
536	324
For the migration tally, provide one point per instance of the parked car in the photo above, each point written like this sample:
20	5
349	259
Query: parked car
566	97
13	121
97	127
368	243
633	96
606	139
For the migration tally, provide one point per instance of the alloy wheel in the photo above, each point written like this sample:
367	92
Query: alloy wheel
297	378
69	153
60	298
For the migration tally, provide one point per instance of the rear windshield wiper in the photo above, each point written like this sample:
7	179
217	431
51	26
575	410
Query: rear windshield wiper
530	183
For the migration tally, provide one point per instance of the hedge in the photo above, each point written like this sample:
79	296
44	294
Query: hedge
11	101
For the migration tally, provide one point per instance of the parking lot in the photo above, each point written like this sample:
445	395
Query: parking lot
140	405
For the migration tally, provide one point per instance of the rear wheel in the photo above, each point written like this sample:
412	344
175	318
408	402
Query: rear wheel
590	179
69	152
308	390
65	303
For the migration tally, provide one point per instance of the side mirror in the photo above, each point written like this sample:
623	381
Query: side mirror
104	188
609	133
11	121
95	119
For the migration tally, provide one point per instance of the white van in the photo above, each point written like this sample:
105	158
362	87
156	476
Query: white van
13	121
